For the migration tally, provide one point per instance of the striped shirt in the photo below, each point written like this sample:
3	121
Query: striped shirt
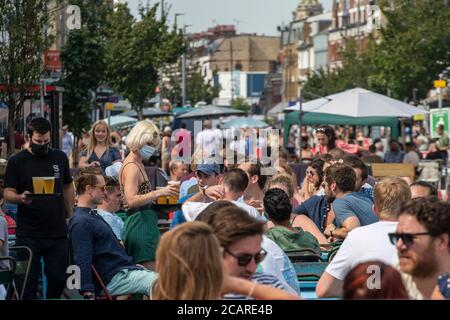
260	278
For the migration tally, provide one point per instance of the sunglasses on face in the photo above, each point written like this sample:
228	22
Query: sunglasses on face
312	173
244	259
407	238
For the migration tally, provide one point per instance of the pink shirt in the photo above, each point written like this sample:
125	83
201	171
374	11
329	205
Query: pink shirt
349	148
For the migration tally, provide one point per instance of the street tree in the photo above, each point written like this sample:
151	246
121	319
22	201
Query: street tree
136	50
84	65
22	44
198	88
240	104
413	48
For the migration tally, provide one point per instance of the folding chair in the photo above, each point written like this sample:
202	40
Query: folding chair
333	252
23	256
304	255
7	275
308	274
101	293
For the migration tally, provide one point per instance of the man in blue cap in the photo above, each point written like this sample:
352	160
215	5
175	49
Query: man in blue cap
231	188
207	174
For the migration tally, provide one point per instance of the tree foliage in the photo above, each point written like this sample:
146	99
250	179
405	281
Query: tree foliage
240	104
197	89
84	63
414	48
22	43
136	50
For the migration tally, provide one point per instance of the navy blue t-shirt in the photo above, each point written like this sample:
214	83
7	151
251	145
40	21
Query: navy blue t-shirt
316	208
111	155
94	243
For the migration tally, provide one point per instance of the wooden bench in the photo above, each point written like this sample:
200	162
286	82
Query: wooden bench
402	170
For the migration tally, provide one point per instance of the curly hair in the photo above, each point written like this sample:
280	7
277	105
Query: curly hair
433	214
277	205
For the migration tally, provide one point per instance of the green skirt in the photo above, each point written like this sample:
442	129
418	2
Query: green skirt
141	235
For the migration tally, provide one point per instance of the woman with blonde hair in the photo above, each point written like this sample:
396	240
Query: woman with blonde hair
99	150
141	234
283	167
189	266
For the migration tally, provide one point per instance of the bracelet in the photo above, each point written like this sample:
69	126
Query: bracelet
252	289
204	191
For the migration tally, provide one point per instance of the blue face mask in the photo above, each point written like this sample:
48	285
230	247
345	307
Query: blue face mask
146	152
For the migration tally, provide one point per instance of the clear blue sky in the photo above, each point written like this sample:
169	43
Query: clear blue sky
260	16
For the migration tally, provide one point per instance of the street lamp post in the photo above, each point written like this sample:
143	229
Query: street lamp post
183	71
300	120
175	19
300	115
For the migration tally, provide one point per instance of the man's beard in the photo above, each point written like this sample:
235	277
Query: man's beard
426	265
331	198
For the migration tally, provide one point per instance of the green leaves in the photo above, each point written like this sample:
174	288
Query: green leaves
240	104
83	58
22	44
136	50
414	48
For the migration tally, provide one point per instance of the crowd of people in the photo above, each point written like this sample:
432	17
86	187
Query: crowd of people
421	146
235	227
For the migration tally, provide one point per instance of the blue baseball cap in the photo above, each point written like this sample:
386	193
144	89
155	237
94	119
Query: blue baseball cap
209	167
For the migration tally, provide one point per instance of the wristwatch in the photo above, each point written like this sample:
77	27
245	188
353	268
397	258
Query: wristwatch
331	231
204	190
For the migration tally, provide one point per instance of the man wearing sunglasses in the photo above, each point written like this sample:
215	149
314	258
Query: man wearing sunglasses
95	244
368	242
422	242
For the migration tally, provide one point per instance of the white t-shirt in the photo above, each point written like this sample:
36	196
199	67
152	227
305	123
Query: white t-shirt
210	141
192	209
277	263
362	244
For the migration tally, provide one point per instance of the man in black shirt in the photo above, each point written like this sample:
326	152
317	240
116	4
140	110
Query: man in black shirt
41	220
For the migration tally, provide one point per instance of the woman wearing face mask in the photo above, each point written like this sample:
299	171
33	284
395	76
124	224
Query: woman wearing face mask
99	151
141	234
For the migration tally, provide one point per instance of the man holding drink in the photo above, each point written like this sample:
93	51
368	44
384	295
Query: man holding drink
38	179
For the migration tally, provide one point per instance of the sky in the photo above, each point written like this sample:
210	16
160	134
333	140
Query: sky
249	16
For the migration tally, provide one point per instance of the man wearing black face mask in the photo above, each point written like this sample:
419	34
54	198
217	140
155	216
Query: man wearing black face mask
41	219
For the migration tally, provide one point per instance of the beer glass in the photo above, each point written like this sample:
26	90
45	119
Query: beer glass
38	185
49	185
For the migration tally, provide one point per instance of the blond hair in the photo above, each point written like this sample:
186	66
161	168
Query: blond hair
283	179
389	195
142	133
92	143
189	264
